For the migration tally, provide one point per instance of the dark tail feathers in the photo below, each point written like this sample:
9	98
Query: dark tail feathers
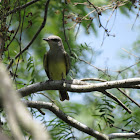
63	95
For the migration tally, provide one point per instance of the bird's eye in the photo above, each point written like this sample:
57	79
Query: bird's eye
56	40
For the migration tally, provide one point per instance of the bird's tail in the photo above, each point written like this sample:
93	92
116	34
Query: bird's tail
63	95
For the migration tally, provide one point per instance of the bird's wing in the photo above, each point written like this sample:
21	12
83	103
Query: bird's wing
45	64
67	61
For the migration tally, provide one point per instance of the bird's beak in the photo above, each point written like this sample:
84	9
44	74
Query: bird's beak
46	39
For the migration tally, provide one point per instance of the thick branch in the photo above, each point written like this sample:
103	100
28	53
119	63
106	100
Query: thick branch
123	135
78	86
71	121
16	111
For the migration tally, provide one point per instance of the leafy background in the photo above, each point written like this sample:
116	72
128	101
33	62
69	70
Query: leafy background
93	109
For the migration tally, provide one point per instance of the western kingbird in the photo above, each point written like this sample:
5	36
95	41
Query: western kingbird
57	62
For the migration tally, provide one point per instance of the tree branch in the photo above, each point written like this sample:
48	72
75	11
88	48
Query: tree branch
74	123
81	86
133	101
78	86
19	8
16	111
69	120
35	36
123	135
102	80
117	100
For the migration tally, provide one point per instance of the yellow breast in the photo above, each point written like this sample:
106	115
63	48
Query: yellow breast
57	70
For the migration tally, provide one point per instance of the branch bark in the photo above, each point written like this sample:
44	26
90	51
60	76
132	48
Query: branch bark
69	120
123	135
79	86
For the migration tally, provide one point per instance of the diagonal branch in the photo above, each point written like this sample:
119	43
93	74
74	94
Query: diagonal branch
16	111
69	120
133	101
117	100
102	80
35	36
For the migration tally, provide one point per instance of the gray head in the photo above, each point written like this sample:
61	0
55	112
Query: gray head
54	42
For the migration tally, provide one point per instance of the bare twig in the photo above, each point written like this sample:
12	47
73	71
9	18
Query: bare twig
35	36
106	30
77	31
120	71
47	97
65	32
15	33
92	65
128	97
122	129
136	18
19	8
98	10
19	42
130	53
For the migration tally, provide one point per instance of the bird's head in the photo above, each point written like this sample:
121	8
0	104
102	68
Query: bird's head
54	41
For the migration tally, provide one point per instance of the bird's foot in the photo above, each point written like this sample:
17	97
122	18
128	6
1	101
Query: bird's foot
49	80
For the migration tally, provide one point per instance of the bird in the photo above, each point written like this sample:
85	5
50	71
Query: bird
56	62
